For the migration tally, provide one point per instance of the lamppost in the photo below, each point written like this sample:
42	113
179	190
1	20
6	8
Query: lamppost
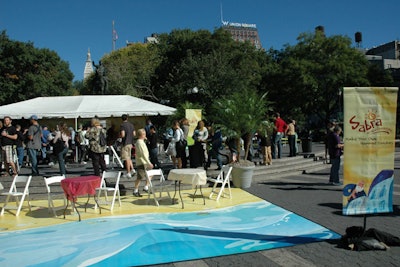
340	110
192	92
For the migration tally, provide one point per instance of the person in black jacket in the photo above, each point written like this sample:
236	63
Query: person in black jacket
20	144
152	145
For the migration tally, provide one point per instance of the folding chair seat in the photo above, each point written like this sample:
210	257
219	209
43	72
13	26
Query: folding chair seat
162	185
109	183
50	195
19	182
222	179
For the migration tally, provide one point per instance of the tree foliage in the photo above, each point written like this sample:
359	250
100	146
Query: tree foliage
129	71
312	72
212	62
27	72
240	114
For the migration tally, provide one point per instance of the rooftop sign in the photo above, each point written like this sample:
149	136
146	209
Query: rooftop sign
236	24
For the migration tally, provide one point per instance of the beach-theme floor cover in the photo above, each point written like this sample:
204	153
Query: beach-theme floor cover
154	238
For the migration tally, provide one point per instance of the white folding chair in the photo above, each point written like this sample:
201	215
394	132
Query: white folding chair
150	174
112	178
115	157
19	182
222	179
51	181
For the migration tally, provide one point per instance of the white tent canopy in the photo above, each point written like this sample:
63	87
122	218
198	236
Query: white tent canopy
84	106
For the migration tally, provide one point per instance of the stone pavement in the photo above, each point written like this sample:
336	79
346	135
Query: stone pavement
310	196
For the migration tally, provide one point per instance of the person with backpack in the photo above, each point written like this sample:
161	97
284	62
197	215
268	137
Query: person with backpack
97	146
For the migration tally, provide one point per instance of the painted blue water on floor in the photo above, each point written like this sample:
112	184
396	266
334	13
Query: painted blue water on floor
160	237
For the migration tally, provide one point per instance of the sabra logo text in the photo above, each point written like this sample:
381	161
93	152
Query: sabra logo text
371	123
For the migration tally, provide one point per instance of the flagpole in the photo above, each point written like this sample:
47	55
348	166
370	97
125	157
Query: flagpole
112	36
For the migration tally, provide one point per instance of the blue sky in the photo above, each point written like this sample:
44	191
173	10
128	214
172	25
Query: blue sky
70	27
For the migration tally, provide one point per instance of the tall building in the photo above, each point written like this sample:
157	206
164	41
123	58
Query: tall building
243	32
88	66
387	57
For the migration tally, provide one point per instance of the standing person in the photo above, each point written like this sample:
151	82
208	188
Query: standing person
127	131
147	127
45	143
200	137
96	150
82	143
329	130
265	144
72	143
142	162
216	144
152	144
279	131
19	142
63	134
1	158
185	128
335	148
8	137
34	144
291	134
178	136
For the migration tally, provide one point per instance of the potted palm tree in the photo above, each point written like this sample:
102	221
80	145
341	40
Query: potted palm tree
239	115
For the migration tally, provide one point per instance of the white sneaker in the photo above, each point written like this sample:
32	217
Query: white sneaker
128	175
133	172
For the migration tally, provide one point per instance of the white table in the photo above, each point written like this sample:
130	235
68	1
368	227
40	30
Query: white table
195	177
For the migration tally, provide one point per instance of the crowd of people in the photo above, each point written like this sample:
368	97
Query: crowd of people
41	144
36	144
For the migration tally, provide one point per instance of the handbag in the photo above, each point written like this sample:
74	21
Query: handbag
58	146
171	151
181	144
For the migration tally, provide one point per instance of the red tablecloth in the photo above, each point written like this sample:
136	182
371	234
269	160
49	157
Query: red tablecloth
78	186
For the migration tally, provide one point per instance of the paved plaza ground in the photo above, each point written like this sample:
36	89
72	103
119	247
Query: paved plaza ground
309	195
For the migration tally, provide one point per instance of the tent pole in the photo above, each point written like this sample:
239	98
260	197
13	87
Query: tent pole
76	146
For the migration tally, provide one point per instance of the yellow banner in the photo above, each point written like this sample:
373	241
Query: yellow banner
369	126
194	116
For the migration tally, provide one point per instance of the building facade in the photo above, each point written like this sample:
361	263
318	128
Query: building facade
242	32
387	56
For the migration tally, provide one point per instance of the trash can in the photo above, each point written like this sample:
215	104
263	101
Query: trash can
306	145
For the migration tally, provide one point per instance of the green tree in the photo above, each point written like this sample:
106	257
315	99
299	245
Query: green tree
212	62
379	77
311	74
129	71
27	72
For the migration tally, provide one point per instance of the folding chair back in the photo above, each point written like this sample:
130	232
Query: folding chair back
162	185
109	183
16	193
51	181
222	179
115	157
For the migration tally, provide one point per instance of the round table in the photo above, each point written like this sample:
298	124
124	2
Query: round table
195	177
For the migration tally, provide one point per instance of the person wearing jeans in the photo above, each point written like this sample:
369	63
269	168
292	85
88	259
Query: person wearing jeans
34	144
280	128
